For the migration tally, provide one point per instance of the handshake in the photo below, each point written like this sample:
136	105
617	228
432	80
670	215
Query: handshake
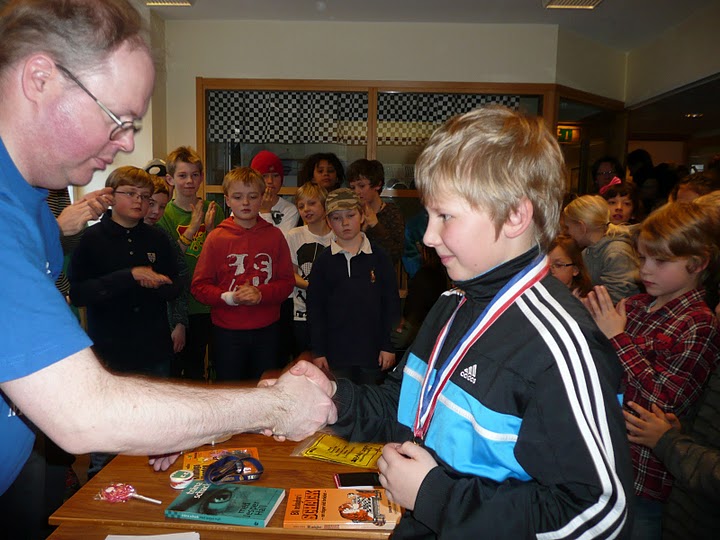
304	402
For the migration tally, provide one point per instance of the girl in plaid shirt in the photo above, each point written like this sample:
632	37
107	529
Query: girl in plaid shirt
666	339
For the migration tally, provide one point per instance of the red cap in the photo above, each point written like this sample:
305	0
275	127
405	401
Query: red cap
267	162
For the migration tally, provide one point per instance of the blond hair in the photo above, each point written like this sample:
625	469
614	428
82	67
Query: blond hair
594	212
245	175
311	191
182	154
493	158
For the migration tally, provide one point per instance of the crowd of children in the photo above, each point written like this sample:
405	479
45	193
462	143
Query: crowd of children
494	417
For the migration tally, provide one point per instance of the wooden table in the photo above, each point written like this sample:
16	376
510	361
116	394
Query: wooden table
84	517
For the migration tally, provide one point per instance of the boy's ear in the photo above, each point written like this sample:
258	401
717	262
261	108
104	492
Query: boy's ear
697	264
519	220
169	180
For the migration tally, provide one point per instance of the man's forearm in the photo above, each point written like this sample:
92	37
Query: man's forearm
85	408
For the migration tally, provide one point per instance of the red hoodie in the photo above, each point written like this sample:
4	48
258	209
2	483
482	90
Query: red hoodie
232	256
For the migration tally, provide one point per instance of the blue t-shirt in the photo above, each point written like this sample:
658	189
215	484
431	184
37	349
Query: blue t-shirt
37	327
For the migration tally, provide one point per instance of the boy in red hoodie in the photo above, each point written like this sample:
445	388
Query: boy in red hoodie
244	273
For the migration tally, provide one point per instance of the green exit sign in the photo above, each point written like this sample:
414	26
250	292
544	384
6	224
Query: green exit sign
568	134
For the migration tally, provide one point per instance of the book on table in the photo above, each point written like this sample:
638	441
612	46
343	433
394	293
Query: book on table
198	461
321	508
233	504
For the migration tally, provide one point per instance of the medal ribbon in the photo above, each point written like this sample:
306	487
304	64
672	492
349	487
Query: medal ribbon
431	390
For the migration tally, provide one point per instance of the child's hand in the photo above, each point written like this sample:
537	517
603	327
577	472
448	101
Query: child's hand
647	427
178	337
210	217
196	218
247	295
402	470
148	278
610	319
386	360
266	203
371	218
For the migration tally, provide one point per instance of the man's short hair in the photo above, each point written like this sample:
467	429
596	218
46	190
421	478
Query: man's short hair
182	154
130	176
493	158
78	34
245	175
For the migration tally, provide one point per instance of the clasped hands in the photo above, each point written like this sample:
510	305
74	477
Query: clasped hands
301	404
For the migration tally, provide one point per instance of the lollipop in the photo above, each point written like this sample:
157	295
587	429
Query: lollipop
121	493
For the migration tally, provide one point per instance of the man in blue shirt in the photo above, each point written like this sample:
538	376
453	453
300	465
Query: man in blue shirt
75	79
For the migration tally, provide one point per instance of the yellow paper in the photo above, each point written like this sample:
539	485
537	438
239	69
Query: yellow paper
336	450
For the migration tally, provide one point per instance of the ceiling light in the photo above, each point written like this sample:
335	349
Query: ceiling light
170	3
571	4
694	115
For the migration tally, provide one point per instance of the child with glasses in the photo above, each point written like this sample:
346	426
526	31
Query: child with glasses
566	264
124	272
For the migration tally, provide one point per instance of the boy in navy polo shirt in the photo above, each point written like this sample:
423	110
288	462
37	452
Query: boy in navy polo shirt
352	300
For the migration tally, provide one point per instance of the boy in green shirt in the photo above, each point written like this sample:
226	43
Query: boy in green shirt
189	219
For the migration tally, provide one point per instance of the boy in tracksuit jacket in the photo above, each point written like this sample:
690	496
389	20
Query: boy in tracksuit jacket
517	425
244	273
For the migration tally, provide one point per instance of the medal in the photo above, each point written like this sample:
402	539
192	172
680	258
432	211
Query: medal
434	382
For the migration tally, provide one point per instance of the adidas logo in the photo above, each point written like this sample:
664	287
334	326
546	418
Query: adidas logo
469	373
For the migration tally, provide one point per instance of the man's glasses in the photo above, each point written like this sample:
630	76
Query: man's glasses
122	126
606	173
135	195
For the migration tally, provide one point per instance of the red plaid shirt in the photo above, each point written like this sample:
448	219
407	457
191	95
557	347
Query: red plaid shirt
668	356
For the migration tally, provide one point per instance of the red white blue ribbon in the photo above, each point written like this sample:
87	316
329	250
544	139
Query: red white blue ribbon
433	385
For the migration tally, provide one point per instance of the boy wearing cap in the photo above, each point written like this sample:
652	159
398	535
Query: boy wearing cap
274	208
353	302
244	273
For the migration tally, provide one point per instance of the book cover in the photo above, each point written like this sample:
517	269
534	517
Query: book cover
197	462
234	504
321	508
326	447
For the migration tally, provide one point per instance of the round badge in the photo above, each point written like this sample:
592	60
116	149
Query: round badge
181	479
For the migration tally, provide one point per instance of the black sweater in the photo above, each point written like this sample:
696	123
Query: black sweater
127	323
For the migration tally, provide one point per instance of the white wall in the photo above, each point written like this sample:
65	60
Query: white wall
353	51
687	53
585	65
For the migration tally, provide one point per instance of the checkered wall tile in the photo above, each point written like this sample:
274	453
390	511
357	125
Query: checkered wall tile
287	117
410	118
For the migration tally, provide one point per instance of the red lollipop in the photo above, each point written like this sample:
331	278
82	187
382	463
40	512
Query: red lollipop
120	492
